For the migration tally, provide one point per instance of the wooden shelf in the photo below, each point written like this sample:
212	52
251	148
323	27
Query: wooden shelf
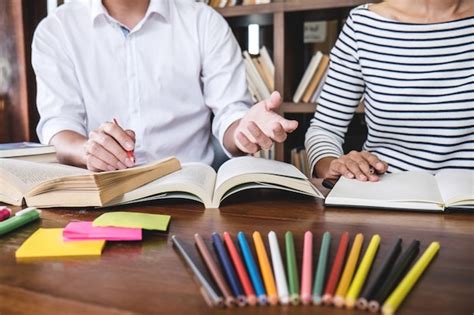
302	108
288	6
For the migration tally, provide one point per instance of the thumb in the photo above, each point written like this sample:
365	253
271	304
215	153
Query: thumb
274	102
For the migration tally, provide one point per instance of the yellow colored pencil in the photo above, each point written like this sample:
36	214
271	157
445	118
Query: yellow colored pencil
362	271
265	269
348	272
401	291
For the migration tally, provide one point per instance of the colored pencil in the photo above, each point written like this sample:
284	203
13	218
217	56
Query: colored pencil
321	269
399	270
214	270
362	272
374	283
401	291
307	268
210	295
292	269
229	271
278	268
252	268
240	268
336	269
348	272
265	268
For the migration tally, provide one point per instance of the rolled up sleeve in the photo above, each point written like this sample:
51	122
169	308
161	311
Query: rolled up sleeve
59	100
223	74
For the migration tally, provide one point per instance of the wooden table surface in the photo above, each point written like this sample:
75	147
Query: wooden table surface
149	277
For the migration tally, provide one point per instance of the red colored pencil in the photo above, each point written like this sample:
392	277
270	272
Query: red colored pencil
241	271
336	268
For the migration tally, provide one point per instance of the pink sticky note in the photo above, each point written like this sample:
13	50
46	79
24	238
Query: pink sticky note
83	230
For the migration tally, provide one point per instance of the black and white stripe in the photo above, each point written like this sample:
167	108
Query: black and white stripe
417	81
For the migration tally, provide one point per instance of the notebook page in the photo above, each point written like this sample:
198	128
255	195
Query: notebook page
456	185
403	186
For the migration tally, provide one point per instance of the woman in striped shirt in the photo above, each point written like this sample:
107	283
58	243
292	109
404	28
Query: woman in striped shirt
413	63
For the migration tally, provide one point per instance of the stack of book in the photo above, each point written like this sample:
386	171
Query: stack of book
260	74
299	158
28	151
311	84
232	3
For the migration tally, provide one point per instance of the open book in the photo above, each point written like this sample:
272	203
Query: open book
407	190
57	185
200	182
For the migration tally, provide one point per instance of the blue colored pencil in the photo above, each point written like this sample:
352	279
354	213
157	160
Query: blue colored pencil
228	269
252	268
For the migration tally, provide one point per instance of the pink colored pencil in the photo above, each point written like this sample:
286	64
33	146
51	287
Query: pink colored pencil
307	268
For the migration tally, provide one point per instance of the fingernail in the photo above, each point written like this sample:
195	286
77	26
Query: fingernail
128	162
128	145
362	177
379	165
350	175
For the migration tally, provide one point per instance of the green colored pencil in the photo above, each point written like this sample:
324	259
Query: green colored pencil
321	270
292	269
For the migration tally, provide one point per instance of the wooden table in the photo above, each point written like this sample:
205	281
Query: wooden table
149	277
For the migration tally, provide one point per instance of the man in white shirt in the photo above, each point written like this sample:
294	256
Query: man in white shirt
161	67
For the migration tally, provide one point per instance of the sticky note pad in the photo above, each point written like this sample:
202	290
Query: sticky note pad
85	231
49	243
133	220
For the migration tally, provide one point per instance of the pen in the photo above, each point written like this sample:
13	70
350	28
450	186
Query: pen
21	218
130	154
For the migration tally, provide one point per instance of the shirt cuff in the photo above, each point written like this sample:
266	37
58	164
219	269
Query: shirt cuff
49	129
225	124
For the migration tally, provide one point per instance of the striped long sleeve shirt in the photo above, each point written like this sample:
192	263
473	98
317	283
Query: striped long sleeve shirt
417	81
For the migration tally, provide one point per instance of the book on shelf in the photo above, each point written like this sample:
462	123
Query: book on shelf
307	76
319	89
28	151
57	185
448	189
199	182
299	158
260	73
316	80
232	3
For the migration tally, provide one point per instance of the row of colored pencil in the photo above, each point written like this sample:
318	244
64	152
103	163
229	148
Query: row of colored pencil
240	281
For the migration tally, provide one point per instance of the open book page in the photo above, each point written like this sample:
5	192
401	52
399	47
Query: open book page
456	187
250	172
392	189
25	175
194	178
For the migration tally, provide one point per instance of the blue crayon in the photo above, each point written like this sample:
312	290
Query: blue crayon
229	270
252	268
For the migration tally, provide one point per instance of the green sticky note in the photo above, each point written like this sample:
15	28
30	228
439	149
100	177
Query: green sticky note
144	221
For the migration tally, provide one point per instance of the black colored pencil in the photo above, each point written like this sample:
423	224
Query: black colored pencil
375	282
399	270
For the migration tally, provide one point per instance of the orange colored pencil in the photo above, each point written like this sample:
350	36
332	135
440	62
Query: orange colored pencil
349	270
265	269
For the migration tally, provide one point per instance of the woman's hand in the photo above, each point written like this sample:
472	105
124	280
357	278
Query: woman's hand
363	166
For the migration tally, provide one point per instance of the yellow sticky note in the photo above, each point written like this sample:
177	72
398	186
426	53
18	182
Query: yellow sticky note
133	220
49	243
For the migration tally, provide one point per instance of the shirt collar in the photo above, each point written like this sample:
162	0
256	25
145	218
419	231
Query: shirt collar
156	6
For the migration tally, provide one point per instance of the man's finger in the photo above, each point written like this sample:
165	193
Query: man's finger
245	144
274	102
279	134
119	135
97	165
111	146
131	134
260	137
97	150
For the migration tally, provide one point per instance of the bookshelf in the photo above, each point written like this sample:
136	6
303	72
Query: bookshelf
282	23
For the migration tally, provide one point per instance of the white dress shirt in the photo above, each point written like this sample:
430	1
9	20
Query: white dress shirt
163	79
